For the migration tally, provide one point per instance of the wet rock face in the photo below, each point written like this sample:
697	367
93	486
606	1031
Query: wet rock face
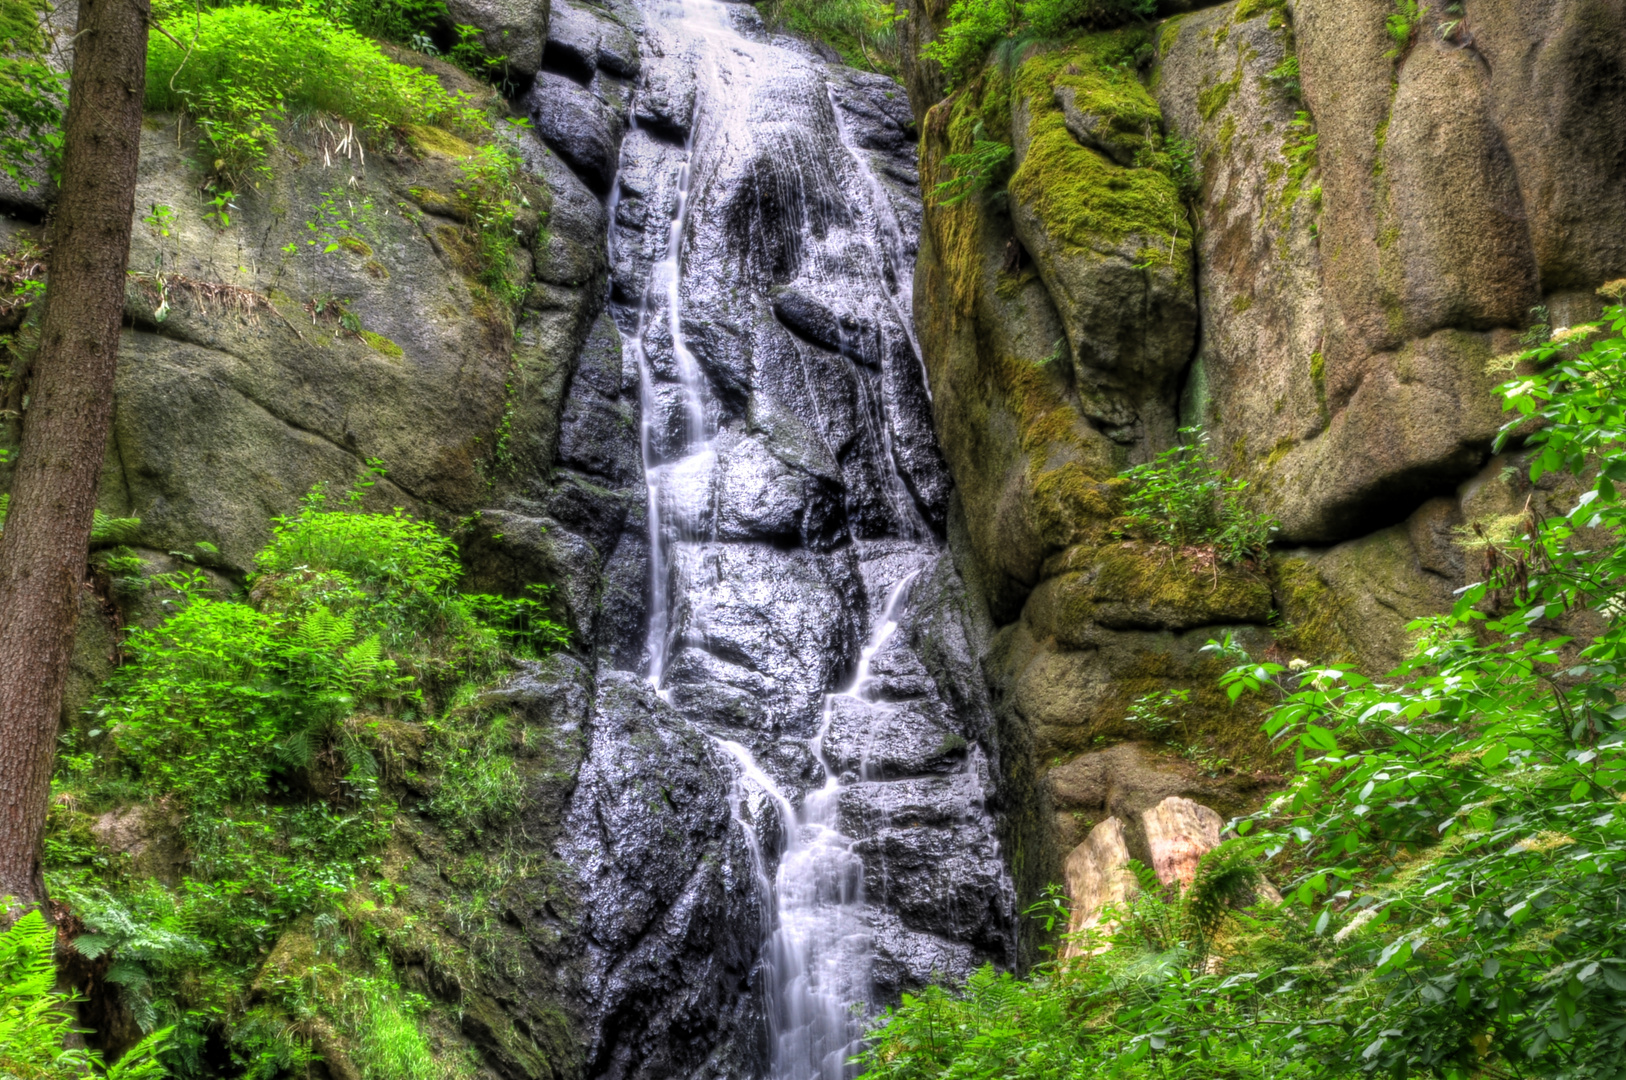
670	908
796	482
582	130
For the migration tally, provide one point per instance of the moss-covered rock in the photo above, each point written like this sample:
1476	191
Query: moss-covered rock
1105	226
1129	585
344	316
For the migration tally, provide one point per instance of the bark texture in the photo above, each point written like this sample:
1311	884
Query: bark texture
53	497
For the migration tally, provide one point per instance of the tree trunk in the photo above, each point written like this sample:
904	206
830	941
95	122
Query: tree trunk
53	496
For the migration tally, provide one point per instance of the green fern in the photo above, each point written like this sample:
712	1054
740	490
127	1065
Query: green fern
35	1022
104	531
109	531
1226	879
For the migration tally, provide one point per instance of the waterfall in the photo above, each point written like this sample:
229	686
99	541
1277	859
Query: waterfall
761	271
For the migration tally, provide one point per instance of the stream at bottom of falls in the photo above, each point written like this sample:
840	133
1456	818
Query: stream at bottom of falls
818	954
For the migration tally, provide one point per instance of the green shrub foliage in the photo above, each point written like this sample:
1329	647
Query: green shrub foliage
250	726
242	70
864	32
36	1021
974	27
1184	499
1451	847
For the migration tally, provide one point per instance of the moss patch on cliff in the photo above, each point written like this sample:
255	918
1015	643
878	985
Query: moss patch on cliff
1084	199
1311	612
1207	728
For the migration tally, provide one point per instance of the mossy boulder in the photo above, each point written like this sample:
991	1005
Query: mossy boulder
343	317
1129	585
1106	227
1376	225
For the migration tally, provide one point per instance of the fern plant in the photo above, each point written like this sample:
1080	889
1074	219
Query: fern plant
1402	26
35	1022
105	531
145	937
973	171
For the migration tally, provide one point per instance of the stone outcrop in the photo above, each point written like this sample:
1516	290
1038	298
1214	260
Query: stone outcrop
1367	229
1171	837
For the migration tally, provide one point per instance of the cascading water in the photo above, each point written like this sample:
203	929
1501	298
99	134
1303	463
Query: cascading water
819	955
792	490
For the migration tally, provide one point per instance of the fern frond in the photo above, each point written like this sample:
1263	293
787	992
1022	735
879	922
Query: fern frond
1225	879
106	530
92	946
27	966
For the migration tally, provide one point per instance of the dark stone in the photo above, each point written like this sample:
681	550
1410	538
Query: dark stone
576	126
671	912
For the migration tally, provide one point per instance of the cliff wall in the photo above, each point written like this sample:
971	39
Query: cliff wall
1366	226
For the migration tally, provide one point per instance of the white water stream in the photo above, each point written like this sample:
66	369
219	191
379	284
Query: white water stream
817	951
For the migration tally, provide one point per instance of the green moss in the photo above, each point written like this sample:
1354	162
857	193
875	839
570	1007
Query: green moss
1172	581
1247	9
1082	198
381	344
1283	446
1207	720
1227	133
356	246
434	140
1169	34
951	128
1214	98
1311	612
1240	303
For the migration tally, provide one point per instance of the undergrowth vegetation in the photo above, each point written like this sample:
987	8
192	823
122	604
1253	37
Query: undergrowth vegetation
1184	499
864	32
36	1021
32	94
257	737
1450	849
975	27
242	70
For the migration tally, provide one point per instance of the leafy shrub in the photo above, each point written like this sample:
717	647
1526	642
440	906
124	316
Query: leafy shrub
1461	823
32	94
1156	713
351	611
1051	18
480	786
974	27
1147	998
1183	499
490	191
35	1022
405	22
242	70
864	32
251	728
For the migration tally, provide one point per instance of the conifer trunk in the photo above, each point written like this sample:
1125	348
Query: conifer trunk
47	532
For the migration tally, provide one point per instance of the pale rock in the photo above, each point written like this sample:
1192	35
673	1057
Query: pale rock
1179	833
